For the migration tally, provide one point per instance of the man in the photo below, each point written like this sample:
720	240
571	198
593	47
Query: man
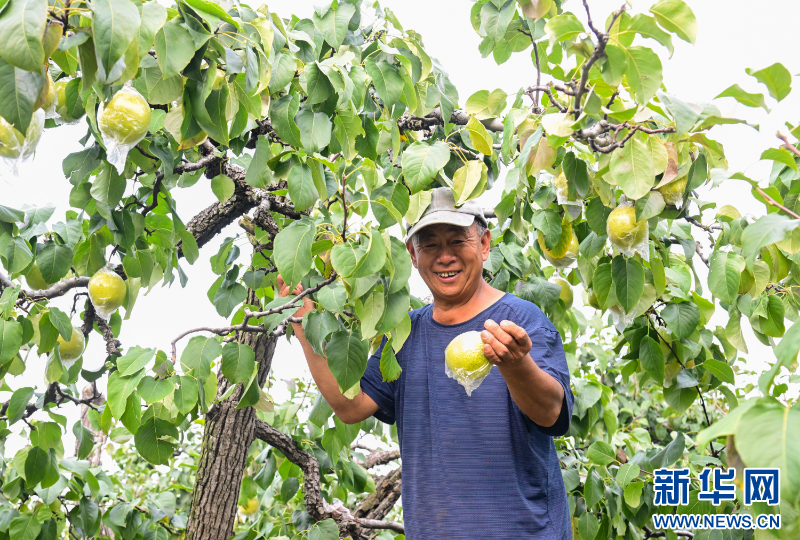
480	466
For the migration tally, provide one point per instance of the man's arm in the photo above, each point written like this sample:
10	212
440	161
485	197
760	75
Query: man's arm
537	393
349	411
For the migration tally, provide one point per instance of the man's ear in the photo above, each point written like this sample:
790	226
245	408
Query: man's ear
410	248
486	244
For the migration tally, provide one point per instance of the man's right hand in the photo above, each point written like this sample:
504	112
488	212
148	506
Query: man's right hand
283	290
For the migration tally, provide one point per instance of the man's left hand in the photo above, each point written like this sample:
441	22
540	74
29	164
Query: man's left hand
506	344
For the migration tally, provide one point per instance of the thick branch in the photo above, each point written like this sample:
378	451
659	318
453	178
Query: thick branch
379	457
460	118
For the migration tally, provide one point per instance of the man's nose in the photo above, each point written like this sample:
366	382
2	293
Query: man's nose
445	255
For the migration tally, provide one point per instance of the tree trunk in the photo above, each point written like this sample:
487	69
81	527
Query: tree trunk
226	440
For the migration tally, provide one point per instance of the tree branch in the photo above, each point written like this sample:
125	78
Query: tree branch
789	146
772	202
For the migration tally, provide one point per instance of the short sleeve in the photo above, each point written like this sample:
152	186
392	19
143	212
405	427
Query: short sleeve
548	353
381	392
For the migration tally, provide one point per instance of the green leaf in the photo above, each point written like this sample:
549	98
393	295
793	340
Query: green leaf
317	85
237	362
421	162
348	128
588	525
390	368
646	27
628	281
301	187
644	73
479	136
222	187
119	389
633	494
602	284
61	322
292	254
627	473
174	48
22	25
324	530
677	17
227	298
724	275
115	24
720	370
682	318
282	113
315	130
652	358
109	186
333	25
633	168
386	79
54	261
18	92
764	231
36	464
563	27
212	13
781	156
153	440
347	357
776	78
369	309
25	527
602	453
200	350
154	15
186	394
496	19
18	403
10	340
745	98
17	254
134	360
152	390
767	436
469	181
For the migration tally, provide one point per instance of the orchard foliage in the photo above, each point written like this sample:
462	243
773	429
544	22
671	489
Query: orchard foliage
335	128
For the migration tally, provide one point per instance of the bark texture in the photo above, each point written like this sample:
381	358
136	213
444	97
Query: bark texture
226	440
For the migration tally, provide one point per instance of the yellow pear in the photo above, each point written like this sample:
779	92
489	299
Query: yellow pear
564	241
673	192
465	359
35	280
251	508
566	291
72	349
125	118
568	258
106	291
623	229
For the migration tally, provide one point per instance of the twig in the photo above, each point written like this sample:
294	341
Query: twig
700	253
707	228
789	146
661	534
244	327
773	202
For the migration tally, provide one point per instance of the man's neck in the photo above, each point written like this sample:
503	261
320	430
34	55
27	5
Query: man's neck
457	311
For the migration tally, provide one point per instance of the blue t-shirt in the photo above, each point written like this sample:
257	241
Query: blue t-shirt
474	467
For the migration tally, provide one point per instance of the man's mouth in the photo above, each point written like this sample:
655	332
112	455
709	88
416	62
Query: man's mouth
448	275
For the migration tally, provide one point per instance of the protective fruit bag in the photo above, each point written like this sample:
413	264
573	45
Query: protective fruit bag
16	148
627	234
465	361
123	122
106	291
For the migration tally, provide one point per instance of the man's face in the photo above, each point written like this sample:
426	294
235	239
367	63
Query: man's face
450	259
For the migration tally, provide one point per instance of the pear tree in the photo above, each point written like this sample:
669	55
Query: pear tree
321	138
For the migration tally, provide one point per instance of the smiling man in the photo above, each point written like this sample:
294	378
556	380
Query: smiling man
479	466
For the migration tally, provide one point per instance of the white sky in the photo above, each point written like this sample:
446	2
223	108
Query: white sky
732	36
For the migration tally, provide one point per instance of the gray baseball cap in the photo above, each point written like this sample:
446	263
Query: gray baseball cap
443	210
